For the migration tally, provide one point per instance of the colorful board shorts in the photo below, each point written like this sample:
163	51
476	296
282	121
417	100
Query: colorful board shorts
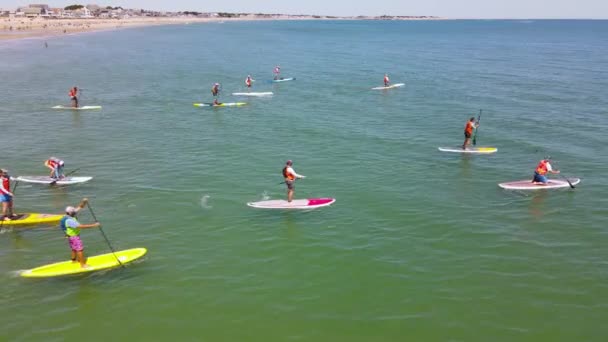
76	243
290	184
539	178
5	198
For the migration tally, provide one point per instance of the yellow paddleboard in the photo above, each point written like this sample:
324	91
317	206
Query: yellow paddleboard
30	219
96	263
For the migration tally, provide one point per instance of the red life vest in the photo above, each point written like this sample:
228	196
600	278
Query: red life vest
52	163
248	81
73	92
6	183
541	169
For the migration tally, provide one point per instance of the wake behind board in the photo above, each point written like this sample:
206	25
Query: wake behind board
77	108
49	180
528	185
27	219
225	104
473	150
96	263
265	93
310	203
284	79
396	85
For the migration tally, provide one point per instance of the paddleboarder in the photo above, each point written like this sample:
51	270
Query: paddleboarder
73	93
290	177
6	196
276	72
71	227
56	166
215	90
387	81
541	171
248	81
469	127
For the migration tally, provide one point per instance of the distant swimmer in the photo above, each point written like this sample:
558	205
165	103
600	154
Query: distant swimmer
215	90
386	80
541	171
73	93
6	196
290	177
71	228
248	81
469	127
56	166
277	72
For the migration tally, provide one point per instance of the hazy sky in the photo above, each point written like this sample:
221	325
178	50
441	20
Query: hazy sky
597	9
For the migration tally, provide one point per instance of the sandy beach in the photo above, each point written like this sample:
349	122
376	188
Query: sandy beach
17	28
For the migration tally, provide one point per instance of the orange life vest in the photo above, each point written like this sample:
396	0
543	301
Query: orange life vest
468	128
287	175
541	169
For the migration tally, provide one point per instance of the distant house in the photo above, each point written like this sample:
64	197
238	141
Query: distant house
56	13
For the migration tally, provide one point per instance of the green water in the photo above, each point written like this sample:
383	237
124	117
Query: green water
420	245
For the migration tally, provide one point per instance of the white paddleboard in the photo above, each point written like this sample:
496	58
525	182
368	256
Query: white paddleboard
78	108
528	185
224	104
266	93
310	203
396	85
474	150
48	180
284	79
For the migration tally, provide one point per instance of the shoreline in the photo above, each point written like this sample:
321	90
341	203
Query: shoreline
12	29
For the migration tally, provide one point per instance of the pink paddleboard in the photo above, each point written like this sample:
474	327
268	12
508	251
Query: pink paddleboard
528	185
310	203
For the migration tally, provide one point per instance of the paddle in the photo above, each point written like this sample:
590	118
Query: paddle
104	235
476	129
64	176
567	180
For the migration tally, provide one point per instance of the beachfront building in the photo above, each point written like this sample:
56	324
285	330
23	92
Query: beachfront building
32	12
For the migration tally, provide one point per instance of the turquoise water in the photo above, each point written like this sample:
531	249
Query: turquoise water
420	245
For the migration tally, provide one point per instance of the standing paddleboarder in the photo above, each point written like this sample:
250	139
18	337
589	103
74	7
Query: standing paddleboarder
387	81
71	227
469	127
6	196
290	177
73	93
277	72
248	81
215	90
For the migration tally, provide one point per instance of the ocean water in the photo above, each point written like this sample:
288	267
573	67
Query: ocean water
420	245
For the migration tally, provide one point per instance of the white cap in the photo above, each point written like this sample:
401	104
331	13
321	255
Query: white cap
70	210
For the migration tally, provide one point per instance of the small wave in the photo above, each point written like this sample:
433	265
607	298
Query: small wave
205	202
